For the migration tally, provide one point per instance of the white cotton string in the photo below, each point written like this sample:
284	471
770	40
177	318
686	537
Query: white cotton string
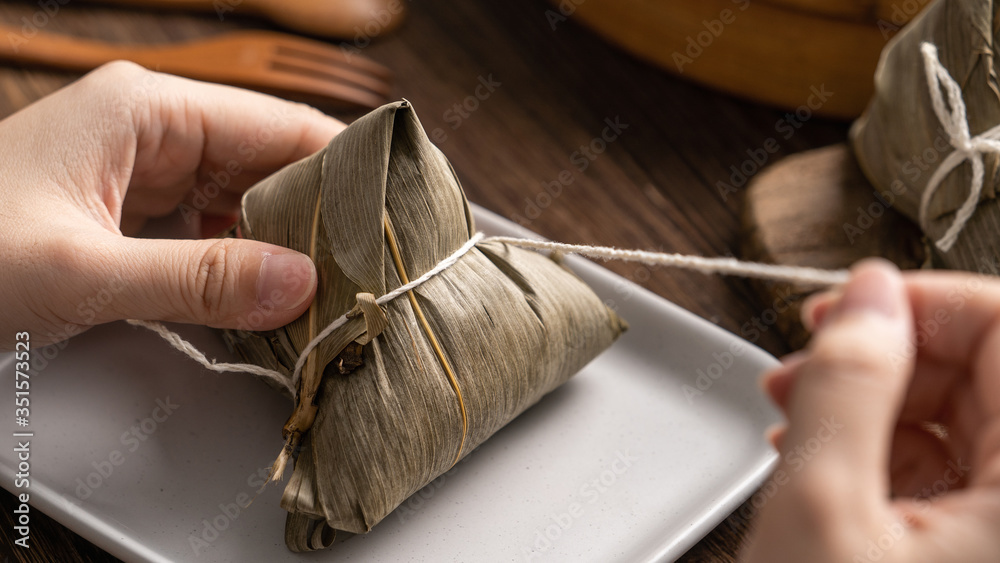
729	266
195	354
954	122
726	266
969	148
441	266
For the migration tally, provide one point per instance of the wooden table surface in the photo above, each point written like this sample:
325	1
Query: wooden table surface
654	187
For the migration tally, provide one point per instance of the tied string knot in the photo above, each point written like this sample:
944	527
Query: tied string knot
367	305
955	122
375	320
370	307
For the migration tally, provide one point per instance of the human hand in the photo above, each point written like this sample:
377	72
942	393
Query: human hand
87	166
862	476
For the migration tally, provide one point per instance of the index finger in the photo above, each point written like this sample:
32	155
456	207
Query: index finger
187	130
953	312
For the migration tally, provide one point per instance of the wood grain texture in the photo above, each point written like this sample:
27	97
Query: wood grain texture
817	209
656	186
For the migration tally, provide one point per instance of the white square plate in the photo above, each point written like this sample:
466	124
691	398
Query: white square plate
150	457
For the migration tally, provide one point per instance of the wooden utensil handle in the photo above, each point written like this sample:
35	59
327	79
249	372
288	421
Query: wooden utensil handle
53	50
221	7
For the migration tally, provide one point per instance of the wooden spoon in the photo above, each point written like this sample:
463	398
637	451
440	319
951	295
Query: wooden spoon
357	20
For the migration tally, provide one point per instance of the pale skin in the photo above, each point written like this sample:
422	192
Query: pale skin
89	165
889	353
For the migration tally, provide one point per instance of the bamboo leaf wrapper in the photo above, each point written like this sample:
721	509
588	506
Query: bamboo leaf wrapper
900	141
435	373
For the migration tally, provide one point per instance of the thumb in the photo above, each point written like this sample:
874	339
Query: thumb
851	386
222	283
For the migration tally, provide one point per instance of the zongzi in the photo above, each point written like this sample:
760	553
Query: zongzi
901	142
397	395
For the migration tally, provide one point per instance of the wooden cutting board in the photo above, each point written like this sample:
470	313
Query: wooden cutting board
817	209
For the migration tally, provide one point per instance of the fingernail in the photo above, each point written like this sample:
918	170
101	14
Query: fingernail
795	359
876	286
811	313
789	364
285	281
774	434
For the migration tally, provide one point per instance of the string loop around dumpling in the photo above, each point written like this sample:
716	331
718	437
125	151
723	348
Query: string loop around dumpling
374	315
954	122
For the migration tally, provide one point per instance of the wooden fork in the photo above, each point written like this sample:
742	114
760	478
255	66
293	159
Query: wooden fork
262	60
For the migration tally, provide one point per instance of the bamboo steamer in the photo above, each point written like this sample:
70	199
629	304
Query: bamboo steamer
779	53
